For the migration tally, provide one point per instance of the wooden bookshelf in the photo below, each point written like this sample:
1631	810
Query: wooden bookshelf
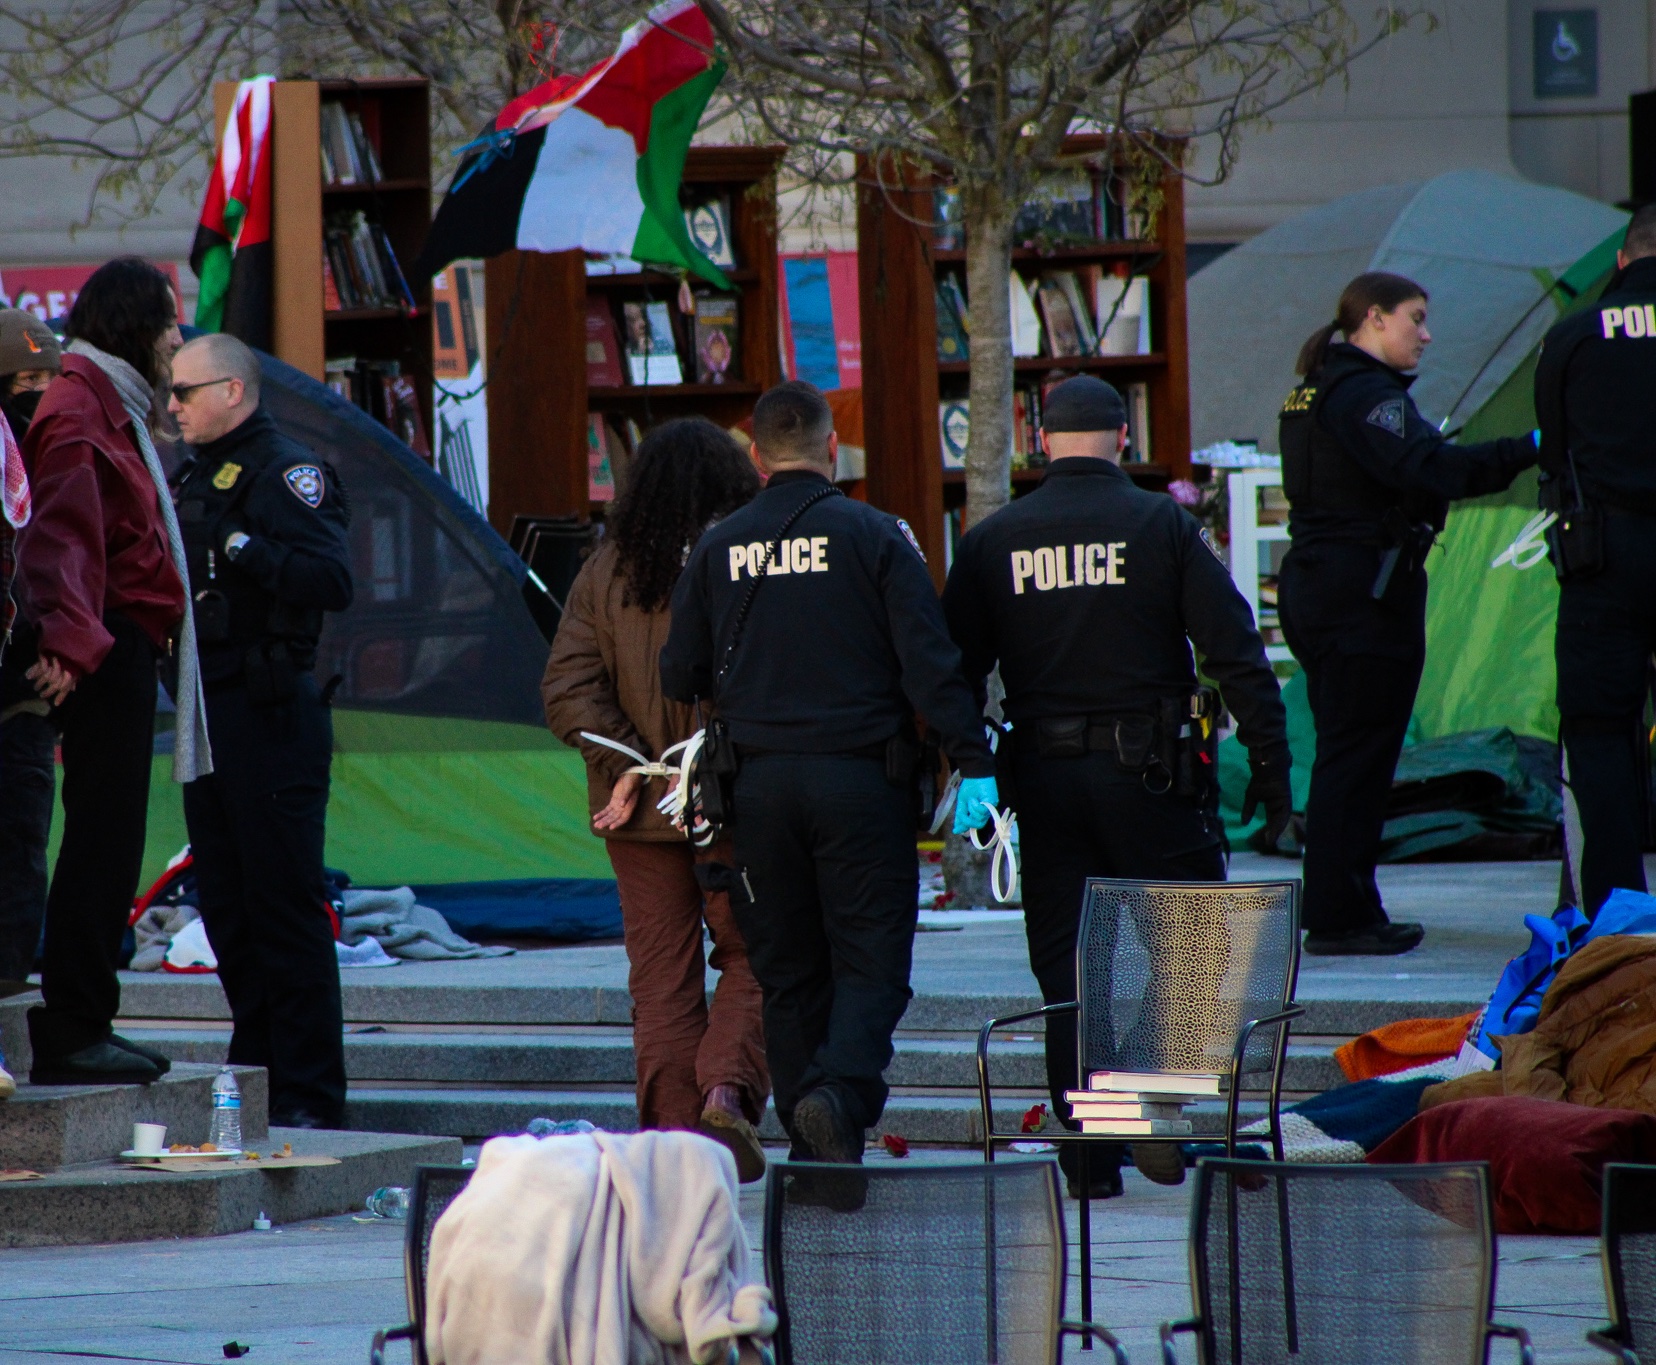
899	265
396	115
535	304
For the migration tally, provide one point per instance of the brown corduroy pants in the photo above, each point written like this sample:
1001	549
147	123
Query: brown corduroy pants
684	1048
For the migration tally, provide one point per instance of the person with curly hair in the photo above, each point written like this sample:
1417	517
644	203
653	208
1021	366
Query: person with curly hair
699	1068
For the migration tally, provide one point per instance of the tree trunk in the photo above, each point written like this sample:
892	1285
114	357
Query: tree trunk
988	223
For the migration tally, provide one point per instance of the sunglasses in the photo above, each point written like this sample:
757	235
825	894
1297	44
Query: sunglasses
183	391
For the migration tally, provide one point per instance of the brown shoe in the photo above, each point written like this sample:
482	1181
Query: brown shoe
723	1121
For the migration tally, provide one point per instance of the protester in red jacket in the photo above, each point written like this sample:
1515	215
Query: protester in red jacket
101	588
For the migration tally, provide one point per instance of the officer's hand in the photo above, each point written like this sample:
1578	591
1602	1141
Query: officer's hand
1270	787
623	801
976	798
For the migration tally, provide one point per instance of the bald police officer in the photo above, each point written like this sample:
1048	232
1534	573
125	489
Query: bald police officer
1595	398
264	530
1088	592
810	620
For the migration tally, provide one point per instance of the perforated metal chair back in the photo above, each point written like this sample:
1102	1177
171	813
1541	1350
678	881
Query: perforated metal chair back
433	1191
1630	1254
1168	972
1342	1265
951	1265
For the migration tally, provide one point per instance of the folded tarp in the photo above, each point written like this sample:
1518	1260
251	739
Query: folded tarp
564	909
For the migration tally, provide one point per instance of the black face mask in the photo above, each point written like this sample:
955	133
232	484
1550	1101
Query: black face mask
20	407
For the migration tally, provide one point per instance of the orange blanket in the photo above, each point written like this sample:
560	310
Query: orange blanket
1397	1047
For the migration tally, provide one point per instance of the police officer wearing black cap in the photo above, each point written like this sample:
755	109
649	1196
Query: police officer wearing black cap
810	621
264	527
1368	481
1088	592
1595	399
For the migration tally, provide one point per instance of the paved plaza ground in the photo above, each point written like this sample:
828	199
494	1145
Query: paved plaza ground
314	1292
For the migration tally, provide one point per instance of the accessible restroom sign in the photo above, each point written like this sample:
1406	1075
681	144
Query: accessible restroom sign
1566	54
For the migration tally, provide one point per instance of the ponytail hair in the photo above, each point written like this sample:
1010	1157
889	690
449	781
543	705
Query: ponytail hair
1372	289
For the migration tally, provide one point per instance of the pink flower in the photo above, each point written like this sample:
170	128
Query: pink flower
1185	493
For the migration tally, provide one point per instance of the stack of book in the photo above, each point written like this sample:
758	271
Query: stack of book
349	156
1139	1104
359	268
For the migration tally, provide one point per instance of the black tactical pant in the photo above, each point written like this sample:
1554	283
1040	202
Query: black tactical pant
1605	637
108	731
827	846
1362	662
27	779
1089	817
256	829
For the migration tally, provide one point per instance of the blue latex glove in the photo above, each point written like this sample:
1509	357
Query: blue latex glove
1535	436
976	798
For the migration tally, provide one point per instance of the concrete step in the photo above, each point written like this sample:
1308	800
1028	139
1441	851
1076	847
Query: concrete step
45	1127
14	1031
103	1202
604	1055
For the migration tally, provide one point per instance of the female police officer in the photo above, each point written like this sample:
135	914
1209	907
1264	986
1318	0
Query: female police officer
1368	481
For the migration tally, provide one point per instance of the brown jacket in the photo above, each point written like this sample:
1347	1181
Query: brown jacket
1595	1043
604	676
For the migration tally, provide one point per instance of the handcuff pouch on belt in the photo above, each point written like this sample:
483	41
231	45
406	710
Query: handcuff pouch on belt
1575	542
1172	748
1404	551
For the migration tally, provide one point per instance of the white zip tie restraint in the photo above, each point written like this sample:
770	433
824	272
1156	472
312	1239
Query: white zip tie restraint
1003	868
674	804
1529	546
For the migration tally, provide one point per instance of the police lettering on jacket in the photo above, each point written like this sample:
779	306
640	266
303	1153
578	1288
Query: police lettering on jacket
799	554
1633	322
1069	566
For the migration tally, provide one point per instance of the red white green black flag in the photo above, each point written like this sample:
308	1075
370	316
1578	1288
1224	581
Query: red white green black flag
231	255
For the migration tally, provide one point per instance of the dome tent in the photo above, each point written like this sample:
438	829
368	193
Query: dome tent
444	771
1488	248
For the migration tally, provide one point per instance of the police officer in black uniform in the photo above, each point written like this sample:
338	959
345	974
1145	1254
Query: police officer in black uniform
264	525
1368	481
1088	592
811	622
1595	398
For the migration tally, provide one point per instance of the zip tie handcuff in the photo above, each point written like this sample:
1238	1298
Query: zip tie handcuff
1528	547
674	804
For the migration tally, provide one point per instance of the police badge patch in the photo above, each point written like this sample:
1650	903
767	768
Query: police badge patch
908	535
306	482
1388	417
227	475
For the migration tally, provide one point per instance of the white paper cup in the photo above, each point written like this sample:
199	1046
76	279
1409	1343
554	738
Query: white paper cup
148	1137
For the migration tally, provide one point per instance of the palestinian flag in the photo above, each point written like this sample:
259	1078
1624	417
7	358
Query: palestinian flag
591	162
231	255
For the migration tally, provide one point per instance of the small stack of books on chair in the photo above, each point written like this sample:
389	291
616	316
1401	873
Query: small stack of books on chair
1139	1104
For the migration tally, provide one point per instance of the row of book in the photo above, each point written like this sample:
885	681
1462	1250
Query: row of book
1081	312
349	154
954	420
381	389
611	440
653	336
1073	208
359	266
1132	1104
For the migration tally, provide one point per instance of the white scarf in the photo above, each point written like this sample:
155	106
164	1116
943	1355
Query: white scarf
192	750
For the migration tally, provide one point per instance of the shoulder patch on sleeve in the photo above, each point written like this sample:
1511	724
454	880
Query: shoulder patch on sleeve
908	535
1299	401
1208	540
306	483
1388	416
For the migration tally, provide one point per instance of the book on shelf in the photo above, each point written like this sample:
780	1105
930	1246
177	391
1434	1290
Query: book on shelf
1026	323
349	154
339	374
1139	449
1137	1127
708	224
954	421
1123	308
952	343
1063	330
600	472
717	336
453	323
384	392
402	410
603	347
1062	210
1146	1083
363	264
331	302
652	352
1070	282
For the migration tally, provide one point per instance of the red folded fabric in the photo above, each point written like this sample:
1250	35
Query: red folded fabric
1398	1046
1546	1158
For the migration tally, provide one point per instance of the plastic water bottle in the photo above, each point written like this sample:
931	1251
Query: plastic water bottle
389	1201
226	1129
544	1128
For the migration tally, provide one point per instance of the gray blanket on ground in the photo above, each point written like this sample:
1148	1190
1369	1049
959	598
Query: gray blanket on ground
405	929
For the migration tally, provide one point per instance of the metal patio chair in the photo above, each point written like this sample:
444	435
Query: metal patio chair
1194	977
891	1264
433	1191
1342	1265
1629	1250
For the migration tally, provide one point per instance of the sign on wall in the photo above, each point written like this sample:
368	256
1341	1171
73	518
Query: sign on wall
48	291
1566	54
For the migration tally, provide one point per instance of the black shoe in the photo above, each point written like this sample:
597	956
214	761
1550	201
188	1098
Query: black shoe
101	1064
302	1118
1378	940
822	1125
159	1060
1105	1185
1162	1162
